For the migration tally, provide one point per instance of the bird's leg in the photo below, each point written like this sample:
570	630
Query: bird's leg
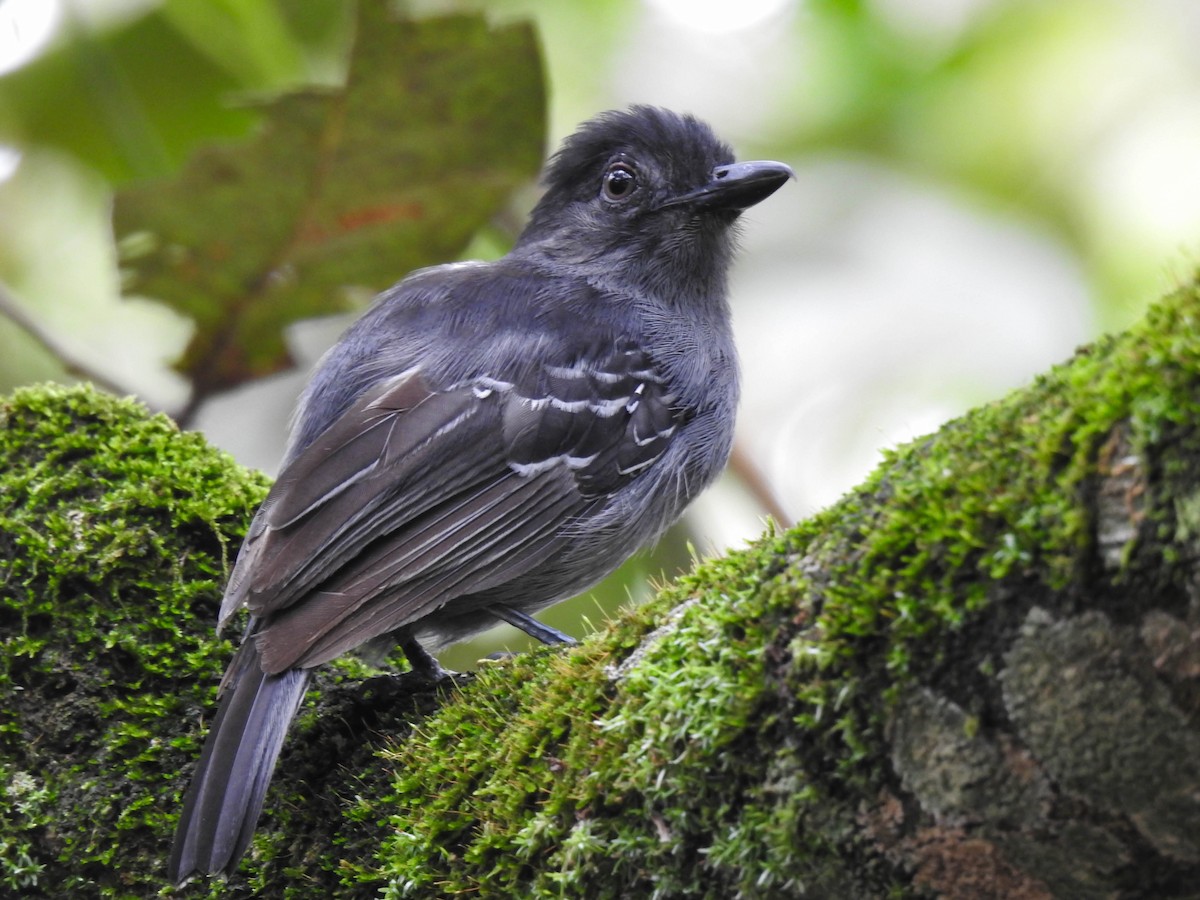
424	670
529	625
422	661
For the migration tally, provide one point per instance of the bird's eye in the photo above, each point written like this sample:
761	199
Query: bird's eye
619	182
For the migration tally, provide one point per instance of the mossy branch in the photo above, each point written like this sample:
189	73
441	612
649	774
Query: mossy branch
978	675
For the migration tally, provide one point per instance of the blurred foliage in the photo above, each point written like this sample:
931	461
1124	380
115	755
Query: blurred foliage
133	99
1016	106
246	207
1007	103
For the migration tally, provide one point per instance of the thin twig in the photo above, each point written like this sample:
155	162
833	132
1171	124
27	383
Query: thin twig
752	477
12	310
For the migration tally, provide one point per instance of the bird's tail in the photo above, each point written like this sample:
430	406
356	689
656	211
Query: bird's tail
226	795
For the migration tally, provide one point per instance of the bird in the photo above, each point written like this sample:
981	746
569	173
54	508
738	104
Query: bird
488	439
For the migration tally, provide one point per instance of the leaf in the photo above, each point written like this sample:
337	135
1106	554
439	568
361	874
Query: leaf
438	121
131	99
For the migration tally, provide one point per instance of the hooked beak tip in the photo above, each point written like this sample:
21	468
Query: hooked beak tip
737	186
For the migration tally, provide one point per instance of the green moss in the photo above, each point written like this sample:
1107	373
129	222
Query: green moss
115	535
661	759
639	778
998	497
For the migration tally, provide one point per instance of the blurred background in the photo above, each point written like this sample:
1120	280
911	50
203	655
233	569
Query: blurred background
982	186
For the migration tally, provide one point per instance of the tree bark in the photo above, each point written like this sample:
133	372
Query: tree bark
978	675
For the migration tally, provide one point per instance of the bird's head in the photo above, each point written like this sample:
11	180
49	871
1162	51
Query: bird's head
647	186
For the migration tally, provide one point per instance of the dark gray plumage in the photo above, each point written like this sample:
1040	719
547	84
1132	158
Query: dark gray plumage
488	439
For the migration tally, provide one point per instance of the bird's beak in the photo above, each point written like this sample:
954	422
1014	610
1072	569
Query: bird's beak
737	186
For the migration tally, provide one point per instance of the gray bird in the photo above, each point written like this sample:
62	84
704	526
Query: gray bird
489	439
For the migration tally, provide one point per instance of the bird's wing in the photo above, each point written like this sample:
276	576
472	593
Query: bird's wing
417	495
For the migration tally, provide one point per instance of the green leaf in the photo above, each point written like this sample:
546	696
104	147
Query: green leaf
351	187
129	101
251	40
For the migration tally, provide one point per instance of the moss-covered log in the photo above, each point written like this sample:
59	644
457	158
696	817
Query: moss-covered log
976	676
